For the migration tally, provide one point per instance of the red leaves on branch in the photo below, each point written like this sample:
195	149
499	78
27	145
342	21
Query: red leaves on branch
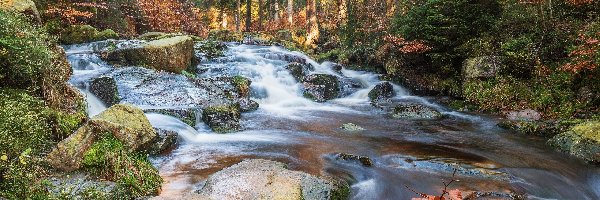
414	46
584	55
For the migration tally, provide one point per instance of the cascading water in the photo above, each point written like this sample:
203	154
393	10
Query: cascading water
306	135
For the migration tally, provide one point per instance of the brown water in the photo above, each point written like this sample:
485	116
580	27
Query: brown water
417	154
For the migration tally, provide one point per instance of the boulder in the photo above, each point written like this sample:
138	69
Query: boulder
167	139
582	141
222	118
265	179
105	88
481	67
523	115
27	7
79	186
152	35
126	122
415	111
321	87
298	70
173	54
382	91
76	34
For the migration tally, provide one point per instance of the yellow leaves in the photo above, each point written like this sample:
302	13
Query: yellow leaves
5	3
4	157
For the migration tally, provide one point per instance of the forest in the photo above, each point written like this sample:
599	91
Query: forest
329	99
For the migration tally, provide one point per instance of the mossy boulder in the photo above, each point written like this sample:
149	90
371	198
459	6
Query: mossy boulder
298	70
210	48
167	139
582	141
382	91
186	115
173	54
415	111
481	67
26	7
105	88
152	35
76	34
125	122
363	160
321	87
222	118
265	179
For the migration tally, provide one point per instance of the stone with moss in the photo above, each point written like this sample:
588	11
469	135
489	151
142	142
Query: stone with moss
76	34
413	111
125	122
222	118
152	35
27	7
105	88
382	91
186	115
265	179
321	87
582	141
298	70
173	54
481	67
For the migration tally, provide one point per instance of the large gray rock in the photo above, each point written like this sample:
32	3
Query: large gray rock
265	179
582	141
321	87
125	122
415	111
105	88
382	91
173	54
481	67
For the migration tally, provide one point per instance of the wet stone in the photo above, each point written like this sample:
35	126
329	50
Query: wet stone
364	160
105	88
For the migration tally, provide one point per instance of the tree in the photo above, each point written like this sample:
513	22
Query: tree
290	12
248	14
260	14
237	15
313	23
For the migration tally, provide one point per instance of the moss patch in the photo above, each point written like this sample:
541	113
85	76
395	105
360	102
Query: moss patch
76	34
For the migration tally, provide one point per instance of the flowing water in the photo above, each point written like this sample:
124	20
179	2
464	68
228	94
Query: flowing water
418	154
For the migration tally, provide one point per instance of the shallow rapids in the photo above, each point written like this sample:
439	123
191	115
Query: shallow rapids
306	135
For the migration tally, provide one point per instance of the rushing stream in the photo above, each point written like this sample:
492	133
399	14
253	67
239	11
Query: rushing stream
306	135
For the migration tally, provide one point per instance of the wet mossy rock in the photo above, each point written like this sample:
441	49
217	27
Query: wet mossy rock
105	88
415	111
76	34
222	118
265	179
298	70
152	35
186	115
26	7
582	141
321	87
125	122
173	54
481	67
382	91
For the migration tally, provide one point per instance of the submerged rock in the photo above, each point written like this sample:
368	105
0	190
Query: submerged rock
222	118
125	122
105	88
166	140
382	91
351	127
298	70
348	86
582	141
321	87
364	160
415	111
186	115
80	186
173	54
265	179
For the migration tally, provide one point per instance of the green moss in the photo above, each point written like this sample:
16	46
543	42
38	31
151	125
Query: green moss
589	130
211	48
242	84
76	34
133	173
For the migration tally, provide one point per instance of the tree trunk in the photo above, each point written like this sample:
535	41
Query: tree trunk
276	10
237	16
290	12
248	14
260	14
313	27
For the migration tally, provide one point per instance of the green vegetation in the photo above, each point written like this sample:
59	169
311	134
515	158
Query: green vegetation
76	34
108	159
